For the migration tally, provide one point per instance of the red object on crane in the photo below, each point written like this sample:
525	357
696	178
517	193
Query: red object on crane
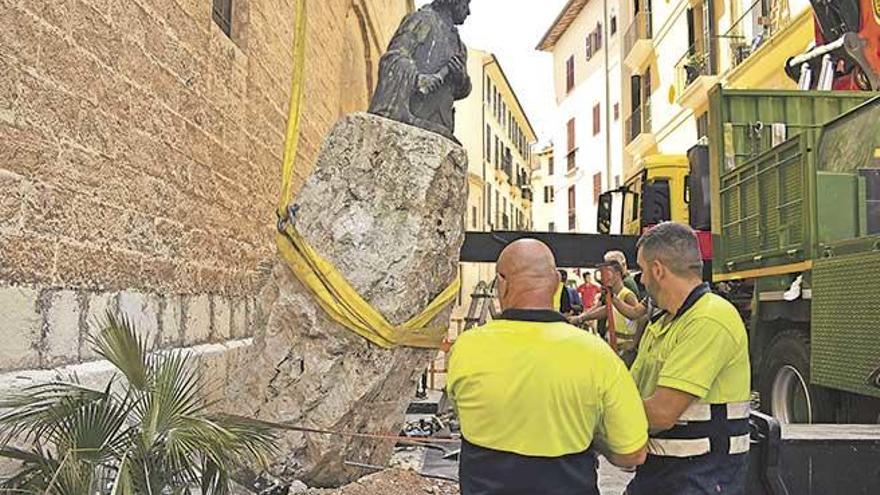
848	32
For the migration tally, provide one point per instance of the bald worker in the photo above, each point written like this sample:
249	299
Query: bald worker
537	397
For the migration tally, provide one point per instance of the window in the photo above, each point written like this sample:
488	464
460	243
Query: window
613	24
223	15
597	187
616	112
551	227
549	194
569	74
497	210
488	144
488	204
572	209
572	145
550	166
473	217
589	46
594	41
597	119
703	125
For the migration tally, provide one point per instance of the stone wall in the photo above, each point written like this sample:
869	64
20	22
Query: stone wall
140	150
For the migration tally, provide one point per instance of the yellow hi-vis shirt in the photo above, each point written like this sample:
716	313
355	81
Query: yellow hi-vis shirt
622	325
703	351
543	388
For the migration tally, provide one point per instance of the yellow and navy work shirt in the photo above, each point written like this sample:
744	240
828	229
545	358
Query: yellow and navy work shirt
533	393
622	325
703	351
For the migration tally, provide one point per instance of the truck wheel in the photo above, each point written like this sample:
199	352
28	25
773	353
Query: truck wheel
785	387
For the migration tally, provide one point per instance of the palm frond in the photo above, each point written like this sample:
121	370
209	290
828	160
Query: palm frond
119	342
38	469
176	393
38	411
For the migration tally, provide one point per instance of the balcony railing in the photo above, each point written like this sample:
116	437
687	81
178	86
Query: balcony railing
750	31
639	122
696	62
640	29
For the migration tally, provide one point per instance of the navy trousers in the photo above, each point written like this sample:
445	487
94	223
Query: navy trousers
710	474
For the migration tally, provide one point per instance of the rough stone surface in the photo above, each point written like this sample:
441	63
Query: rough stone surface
393	227
98	306
20	327
143	311
197	329
63	329
171	318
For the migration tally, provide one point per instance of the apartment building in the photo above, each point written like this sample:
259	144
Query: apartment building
544	203
498	137
586	42
675	51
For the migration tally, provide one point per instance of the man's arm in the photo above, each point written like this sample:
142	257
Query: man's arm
623	433
628	461
630	307
665	407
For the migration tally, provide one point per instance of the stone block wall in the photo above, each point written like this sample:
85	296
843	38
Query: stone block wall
140	150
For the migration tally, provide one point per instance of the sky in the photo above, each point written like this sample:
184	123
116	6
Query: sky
511	29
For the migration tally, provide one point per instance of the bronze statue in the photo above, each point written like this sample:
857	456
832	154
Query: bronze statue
424	70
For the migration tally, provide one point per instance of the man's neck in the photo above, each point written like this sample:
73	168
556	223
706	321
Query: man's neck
679	293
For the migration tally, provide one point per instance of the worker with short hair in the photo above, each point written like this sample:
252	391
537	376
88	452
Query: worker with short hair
623	326
536	396
693	373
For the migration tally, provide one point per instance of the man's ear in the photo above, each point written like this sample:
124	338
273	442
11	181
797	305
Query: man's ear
658	271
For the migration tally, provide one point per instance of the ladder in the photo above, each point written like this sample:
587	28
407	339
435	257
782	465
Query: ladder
482	305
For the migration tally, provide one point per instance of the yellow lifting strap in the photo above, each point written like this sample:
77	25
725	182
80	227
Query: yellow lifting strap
333	293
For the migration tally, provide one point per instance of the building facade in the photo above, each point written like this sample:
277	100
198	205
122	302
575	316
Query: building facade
585	41
544	191
498	137
141	145
675	52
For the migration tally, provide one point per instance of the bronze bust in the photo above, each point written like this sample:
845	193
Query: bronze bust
424	70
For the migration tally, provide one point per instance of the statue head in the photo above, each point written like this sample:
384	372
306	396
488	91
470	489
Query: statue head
459	9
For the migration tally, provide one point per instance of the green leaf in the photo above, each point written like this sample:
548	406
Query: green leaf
119	343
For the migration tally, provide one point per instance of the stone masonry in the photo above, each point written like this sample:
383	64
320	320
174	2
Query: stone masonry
140	150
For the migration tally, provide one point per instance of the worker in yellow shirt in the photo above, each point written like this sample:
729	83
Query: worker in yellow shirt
693	373
612	281
536	397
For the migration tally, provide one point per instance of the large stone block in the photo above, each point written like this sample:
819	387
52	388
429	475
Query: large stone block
143	311
20	328
172	321
385	205
222	319
198	320
62	328
98	306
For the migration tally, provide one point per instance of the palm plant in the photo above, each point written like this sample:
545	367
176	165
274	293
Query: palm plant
150	433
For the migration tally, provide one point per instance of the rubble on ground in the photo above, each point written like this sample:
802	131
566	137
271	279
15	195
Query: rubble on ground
392	482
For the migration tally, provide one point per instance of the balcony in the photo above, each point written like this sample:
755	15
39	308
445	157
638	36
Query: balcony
749	33
639	138
638	45
695	74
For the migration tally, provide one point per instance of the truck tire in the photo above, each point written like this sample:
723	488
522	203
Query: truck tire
784	383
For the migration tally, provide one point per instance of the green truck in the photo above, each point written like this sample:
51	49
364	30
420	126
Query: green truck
795	223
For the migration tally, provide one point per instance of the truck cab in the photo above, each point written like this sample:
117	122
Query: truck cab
655	192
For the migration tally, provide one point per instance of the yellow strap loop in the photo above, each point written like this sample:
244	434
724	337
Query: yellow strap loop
333	293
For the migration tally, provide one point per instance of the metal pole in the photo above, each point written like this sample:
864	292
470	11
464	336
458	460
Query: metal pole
605	31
